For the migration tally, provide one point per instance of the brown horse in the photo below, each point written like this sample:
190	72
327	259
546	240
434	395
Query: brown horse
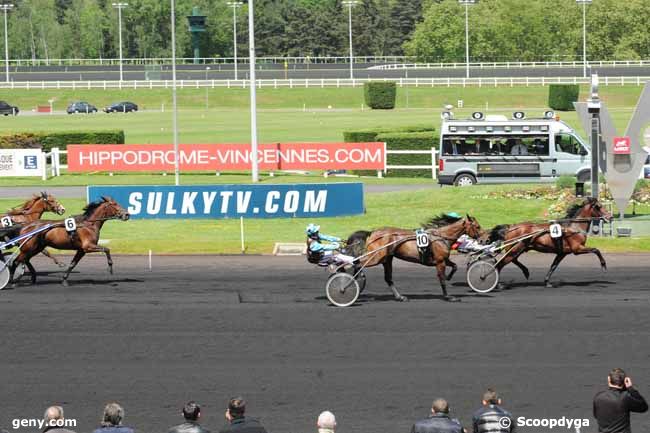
32	210
575	227
382	245
84	240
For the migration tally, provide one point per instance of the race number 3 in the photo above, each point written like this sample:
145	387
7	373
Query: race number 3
6	221
422	240
70	224
556	231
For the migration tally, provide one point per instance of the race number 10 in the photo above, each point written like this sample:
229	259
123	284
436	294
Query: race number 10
422	240
556	231
6	221
70	224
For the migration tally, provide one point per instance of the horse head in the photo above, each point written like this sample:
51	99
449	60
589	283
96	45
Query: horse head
52	204
591	208
114	210
471	227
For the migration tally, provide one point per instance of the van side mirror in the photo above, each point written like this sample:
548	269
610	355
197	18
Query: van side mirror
583	152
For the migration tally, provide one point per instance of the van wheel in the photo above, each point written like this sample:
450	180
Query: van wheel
584	176
465	180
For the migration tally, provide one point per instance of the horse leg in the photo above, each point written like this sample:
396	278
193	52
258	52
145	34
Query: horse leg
521	266
32	270
453	266
511	257
388	277
556	263
47	254
75	260
584	250
440	267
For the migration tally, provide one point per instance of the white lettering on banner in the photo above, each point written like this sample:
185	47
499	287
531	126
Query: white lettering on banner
243	199
135	205
154	202
169	210
271	207
315	203
225	199
208	199
291	201
188	203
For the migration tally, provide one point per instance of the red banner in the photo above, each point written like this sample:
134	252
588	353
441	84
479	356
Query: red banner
622	146
222	157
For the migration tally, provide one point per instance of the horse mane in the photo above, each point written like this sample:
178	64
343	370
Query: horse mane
498	233
26	205
92	207
573	210
440	221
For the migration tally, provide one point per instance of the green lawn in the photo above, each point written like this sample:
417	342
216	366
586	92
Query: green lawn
404	209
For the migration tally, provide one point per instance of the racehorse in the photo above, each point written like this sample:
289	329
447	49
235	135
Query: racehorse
32	210
537	237
382	245
84	240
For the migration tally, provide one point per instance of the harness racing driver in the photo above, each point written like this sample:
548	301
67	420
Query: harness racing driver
324	249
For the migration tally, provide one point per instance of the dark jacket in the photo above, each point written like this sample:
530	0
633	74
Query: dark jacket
243	425
438	423
612	409
114	429
188	427
57	430
488	419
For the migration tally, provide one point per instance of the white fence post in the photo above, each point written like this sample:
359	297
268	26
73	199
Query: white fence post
434	165
43	162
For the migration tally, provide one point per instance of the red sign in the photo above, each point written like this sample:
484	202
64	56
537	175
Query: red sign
622	146
221	157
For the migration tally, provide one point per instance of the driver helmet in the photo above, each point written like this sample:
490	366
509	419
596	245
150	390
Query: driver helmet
312	229
453	215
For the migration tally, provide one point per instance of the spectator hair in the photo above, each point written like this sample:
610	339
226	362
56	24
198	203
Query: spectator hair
237	407
113	415
617	377
191	411
491	396
48	413
440	405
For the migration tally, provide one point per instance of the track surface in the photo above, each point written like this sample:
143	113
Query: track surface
208	328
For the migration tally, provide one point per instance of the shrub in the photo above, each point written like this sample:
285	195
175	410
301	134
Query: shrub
409	141
562	96
566	182
380	95
370	135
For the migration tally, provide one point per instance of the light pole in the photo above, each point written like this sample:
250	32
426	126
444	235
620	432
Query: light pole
584	34
119	7
234	5
177	169
467	4
207	70
350	4
252	84
6	8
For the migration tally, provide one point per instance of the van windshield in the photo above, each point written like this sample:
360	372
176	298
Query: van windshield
516	145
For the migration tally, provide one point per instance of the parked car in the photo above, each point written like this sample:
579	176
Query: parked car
646	168
7	109
121	107
81	107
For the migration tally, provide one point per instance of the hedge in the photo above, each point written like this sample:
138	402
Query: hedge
369	135
380	95
562	96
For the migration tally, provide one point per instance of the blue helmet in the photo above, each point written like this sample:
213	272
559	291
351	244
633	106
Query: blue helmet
312	229
453	215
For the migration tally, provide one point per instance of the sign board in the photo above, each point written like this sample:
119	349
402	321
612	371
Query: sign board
221	157
234	201
20	162
622	146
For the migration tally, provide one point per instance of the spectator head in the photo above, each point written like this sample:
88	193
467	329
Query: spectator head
191	411
113	415
236	408
326	421
53	413
616	378
440	405
490	396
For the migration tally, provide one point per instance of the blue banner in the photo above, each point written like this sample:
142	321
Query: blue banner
234	201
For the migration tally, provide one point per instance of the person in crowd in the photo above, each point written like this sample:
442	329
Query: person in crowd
439	421
492	418
612	406
54	421
191	414
237	421
112	420
326	422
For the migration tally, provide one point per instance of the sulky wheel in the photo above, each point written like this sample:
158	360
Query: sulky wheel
4	275
19	272
361	280
342	289
482	276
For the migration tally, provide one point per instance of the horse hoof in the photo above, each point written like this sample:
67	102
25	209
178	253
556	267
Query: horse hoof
402	299
549	285
61	265
110	270
65	283
502	286
452	299
604	268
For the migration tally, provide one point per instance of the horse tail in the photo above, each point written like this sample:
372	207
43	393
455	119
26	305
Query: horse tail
498	233
357	243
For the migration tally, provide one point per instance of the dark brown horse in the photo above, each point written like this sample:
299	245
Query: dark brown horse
379	247
84	240
32	210
575	227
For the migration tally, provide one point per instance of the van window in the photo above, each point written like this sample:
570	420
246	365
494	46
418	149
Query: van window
567	143
493	145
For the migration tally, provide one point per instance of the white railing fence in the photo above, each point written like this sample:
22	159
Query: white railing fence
515	65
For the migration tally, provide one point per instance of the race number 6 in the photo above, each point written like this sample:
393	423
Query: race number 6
6	221
556	231
422	240
70	224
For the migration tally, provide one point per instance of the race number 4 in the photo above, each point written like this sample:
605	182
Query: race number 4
70	224
6	221
422	239
555	230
